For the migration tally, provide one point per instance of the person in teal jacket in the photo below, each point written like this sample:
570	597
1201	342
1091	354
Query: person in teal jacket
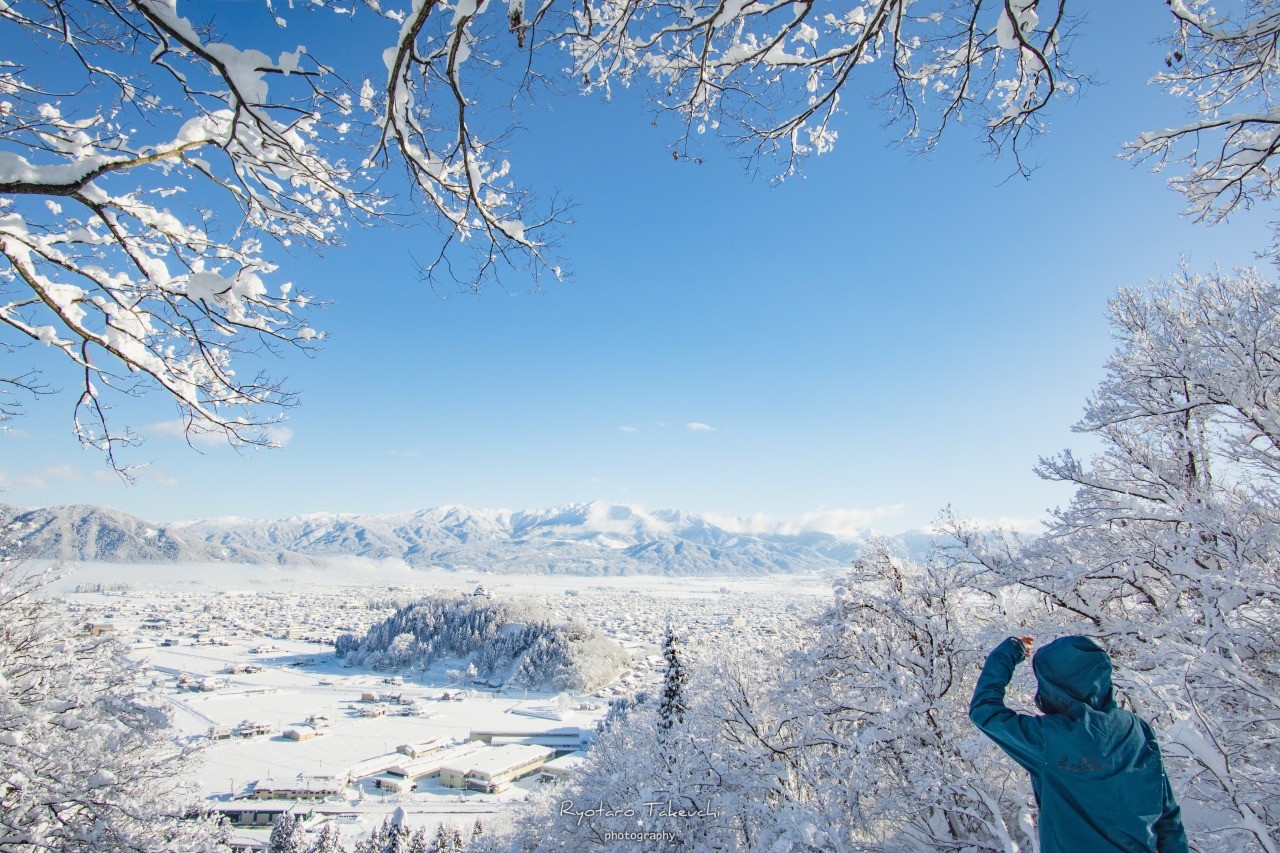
1095	768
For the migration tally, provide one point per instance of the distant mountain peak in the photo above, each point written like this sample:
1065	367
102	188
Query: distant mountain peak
596	537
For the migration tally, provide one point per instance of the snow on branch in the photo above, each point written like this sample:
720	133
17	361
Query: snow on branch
112	257
771	74
1224	64
147	163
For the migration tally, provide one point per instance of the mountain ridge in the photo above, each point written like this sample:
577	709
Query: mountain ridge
594	538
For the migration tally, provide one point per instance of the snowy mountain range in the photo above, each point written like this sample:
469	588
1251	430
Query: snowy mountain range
588	539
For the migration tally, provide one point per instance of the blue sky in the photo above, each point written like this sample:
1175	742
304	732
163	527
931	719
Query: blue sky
885	335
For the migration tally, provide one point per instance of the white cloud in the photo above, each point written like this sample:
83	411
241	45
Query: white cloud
197	434
837	522
627	429
407	454
695	426
210	435
21	481
280	436
140	473
39	481
62	472
160	477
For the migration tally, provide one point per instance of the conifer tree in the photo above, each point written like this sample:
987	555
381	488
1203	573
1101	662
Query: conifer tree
398	839
287	836
420	843
672	708
327	841
377	841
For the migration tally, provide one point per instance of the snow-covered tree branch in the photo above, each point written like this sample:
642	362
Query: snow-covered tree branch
113	160
148	163
1223	60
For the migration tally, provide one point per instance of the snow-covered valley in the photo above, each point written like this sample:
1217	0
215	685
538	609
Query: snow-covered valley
242	657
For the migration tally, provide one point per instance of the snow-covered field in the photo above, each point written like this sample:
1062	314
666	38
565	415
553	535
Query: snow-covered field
193	624
383	575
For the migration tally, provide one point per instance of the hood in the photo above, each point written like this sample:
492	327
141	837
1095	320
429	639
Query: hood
1070	672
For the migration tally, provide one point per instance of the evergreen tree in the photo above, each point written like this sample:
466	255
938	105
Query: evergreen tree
477	830
398	839
442	840
378	840
287	836
327	841
420	843
672	707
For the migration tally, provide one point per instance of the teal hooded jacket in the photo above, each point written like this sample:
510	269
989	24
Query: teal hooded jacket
1095	768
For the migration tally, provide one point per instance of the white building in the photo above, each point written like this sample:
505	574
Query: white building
302	788
300	733
493	770
417	749
565	765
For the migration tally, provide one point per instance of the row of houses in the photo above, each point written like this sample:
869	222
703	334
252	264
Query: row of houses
489	762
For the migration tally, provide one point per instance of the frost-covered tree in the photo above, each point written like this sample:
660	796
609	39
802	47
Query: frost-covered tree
399	839
1168	551
866	739
420	842
287	836
126	132
86	761
149	159
378	840
327	841
671	704
641	779
857	741
1222	60
622	773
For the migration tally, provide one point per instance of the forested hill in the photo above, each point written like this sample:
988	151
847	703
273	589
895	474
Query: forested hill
511	643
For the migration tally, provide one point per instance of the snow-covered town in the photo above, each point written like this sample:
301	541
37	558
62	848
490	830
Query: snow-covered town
286	727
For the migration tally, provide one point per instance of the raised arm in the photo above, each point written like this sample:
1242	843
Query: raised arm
1020	735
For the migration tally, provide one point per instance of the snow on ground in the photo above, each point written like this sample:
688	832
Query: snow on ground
284	696
190	624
